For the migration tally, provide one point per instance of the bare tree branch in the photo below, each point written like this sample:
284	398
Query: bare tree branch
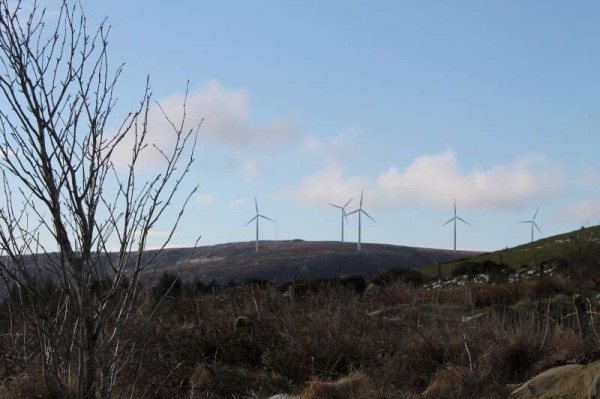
73	205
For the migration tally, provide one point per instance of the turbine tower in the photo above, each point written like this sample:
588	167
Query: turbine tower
344	214
533	223
360	211
257	217
454	219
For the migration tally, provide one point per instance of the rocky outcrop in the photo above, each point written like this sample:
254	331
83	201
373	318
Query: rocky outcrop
572	381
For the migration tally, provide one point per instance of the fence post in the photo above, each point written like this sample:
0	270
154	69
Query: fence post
582	319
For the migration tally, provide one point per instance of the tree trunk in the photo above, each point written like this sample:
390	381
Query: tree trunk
89	363
105	368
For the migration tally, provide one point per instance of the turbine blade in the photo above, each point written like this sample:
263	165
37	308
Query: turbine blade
526	221
349	201
251	220
536	212
345	215
361	197
451	219
369	216
336	206
538	229
463	220
256	205
454	207
353	212
264	217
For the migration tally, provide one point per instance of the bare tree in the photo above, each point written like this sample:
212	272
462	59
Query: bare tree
67	203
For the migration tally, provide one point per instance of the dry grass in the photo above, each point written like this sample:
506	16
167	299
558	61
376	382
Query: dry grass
32	386
403	341
217	381
354	386
456	382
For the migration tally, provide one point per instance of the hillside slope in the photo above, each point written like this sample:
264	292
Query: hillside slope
279	261
542	250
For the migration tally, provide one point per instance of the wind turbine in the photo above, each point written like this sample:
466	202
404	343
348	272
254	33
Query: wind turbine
360	211
256	217
344	214
533	223
454	219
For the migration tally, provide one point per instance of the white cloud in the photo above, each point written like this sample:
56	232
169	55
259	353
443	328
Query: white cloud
226	114
330	149
226	122
436	180
205	199
238	202
328	185
582	211
249	169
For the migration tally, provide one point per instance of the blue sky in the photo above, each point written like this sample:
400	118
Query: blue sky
494	104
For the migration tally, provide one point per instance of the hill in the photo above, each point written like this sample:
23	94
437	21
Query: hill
280	261
543	250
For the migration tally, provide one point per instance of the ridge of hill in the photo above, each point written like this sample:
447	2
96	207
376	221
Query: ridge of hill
282	261
546	249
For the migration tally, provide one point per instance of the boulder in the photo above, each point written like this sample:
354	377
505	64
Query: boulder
572	381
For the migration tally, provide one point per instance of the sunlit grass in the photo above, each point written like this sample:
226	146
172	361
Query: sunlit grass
531	254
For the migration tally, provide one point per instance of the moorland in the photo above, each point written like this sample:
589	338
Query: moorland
470	328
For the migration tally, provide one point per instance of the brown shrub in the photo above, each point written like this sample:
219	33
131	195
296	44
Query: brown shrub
493	295
562	345
354	386
400	337
422	354
511	360
215	381
455	382
583	265
447	383
412	278
548	286
29	386
457	296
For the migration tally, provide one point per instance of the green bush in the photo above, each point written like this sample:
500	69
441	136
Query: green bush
413	278
498	273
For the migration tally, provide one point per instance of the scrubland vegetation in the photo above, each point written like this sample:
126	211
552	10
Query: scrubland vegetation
79	323
393	339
